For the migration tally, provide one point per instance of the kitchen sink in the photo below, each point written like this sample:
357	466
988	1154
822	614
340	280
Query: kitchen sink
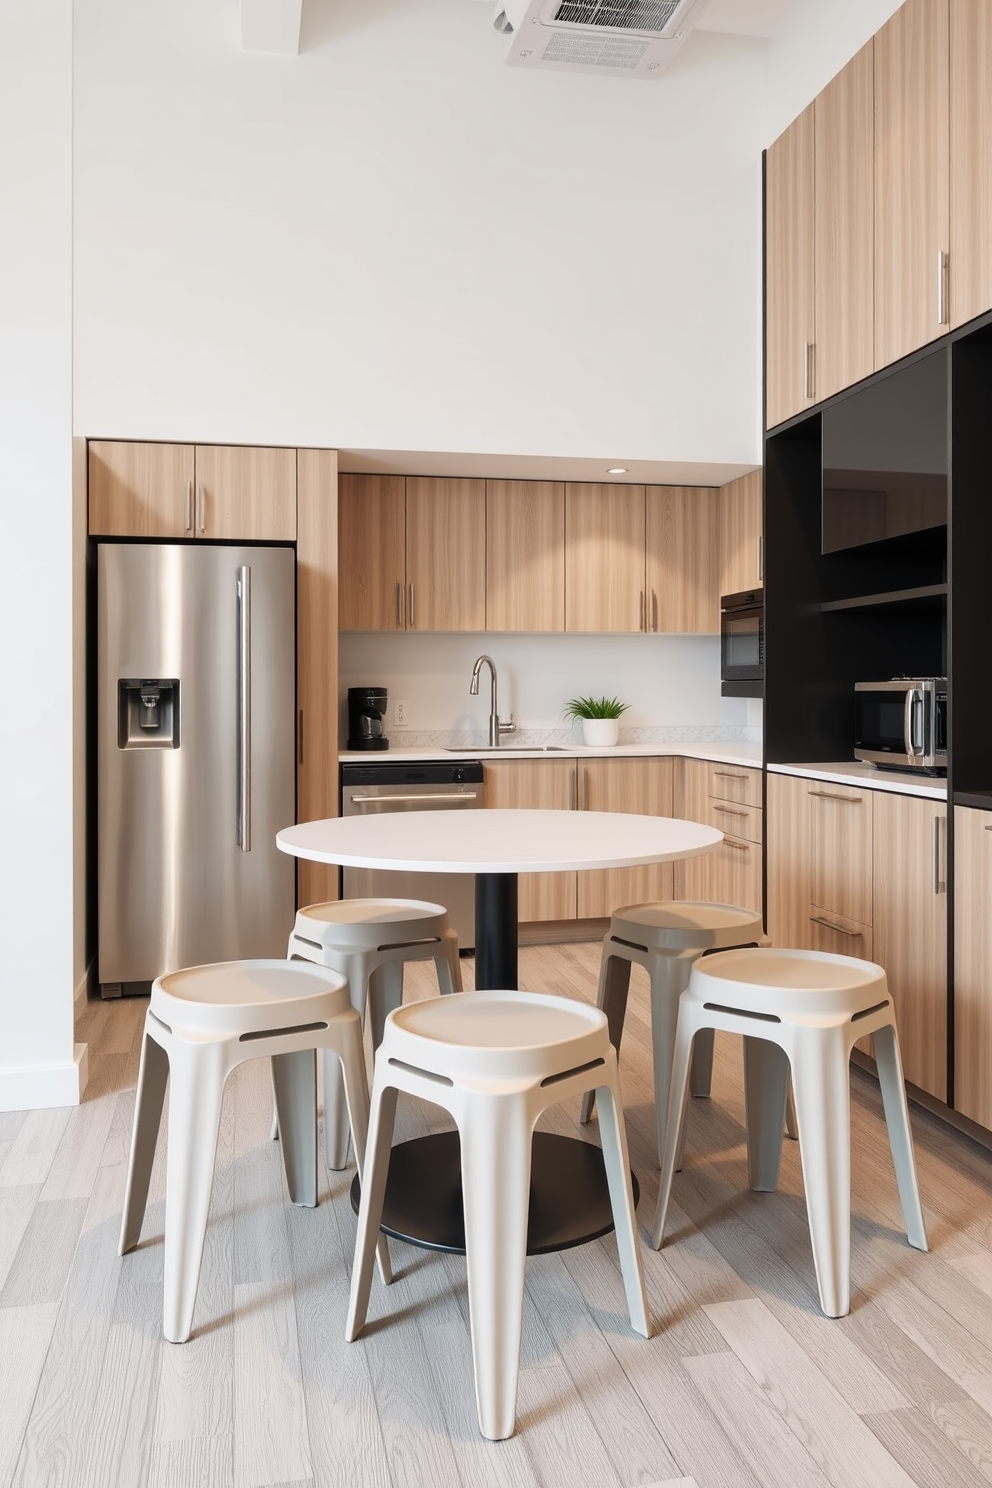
508	749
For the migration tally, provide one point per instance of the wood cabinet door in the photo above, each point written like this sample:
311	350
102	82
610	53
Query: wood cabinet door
536	785
910	929
641	786
733	874
742	534
972	964
787	845
840	826
604	558
789	309
445	554
682	545
911	178
317	660
970	159
245	494
525	555
140	490
372	549
843	193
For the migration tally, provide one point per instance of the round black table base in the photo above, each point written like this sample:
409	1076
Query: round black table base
496	930
569	1194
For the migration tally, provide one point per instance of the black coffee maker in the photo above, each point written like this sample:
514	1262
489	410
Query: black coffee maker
366	718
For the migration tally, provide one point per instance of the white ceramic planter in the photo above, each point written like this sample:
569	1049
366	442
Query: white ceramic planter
600	731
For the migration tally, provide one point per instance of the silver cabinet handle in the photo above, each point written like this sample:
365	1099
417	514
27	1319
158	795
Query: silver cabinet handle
411	606
729	811
583	789
201	508
939	886
735	842
641	621
189	506
730	774
654	610
851	934
244	708
808	371
572	796
300	761
400	616
942	276
833	796
761	555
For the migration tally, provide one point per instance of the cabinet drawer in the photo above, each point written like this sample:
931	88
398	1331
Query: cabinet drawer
840	823
736	820
732	873
731	783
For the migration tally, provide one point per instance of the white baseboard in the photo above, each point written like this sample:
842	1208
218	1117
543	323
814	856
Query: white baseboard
34	1087
79	997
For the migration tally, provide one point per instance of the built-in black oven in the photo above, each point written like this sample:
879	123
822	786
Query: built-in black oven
742	644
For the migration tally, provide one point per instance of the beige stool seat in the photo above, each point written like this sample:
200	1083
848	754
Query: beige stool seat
496	1061
369	941
200	1025
801	1011
667	938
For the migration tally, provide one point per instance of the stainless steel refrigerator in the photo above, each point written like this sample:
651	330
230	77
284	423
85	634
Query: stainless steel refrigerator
195	756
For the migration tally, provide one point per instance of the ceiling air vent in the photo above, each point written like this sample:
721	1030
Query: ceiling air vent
621	38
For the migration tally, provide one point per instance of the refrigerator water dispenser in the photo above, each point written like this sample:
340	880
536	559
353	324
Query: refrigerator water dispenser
148	713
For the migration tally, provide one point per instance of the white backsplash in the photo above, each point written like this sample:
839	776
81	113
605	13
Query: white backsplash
671	683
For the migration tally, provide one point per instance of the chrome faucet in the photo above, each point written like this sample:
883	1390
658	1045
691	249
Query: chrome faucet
496	728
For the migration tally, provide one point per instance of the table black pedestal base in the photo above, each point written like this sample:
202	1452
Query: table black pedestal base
569	1194
496	930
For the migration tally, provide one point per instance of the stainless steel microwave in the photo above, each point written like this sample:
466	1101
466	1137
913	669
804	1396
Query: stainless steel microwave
902	724
742	644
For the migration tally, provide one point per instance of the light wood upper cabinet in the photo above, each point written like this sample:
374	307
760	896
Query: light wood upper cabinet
604	558
789	317
843	255
140	490
973	964
742	534
683	558
642	786
970	159
245	494
910	929
445	554
525	555
372	569
537	785
317	659
911	179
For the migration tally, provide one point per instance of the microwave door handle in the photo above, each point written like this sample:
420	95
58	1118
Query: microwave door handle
913	696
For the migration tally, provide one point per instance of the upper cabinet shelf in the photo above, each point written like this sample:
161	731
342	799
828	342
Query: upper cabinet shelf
924	596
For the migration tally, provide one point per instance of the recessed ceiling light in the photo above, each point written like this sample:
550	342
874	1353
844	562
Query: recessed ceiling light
617	470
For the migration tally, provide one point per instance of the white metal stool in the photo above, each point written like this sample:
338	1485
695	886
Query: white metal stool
804	1011
667	938
369	941
495	1061
200	1025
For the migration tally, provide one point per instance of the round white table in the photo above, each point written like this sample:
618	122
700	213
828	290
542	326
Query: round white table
496	845
570	1201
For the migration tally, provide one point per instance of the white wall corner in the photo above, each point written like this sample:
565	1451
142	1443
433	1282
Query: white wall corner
37	1087
271	26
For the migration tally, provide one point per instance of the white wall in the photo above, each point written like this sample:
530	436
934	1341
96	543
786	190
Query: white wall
670	682
38	1063
395	241
811	48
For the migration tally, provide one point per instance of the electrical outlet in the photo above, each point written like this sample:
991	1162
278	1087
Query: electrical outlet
399	713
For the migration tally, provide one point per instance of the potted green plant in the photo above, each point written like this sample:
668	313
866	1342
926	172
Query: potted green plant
599	718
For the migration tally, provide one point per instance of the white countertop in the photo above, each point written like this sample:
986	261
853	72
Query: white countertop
858	773
720	752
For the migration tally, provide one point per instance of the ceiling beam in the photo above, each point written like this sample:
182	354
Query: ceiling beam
271	26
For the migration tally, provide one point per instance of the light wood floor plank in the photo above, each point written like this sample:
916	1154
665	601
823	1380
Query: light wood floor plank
204	1462
271	1441
16	1207
928	1454
25	1335
560	1439
34	1147
39	1270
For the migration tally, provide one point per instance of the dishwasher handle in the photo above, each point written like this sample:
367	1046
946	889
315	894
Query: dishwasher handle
450	797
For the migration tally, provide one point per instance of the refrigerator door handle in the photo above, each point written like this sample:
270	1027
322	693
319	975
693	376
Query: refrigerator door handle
244	708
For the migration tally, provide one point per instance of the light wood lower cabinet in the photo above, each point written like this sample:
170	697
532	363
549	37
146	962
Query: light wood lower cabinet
536	785
973	964
840	854
643	786
787	840
910	928
731	873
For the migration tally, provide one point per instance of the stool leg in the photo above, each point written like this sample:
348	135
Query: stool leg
294	1077
385	994
336	1128
791	1125
351	1053
669	979
617	1163
888	1061
496	1136
380	1139
148	1102
197	1074
675	1120
822	1085
701	1074
766	1079
611	998
448	963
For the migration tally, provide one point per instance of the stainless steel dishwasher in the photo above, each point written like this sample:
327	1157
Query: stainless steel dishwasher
375	789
